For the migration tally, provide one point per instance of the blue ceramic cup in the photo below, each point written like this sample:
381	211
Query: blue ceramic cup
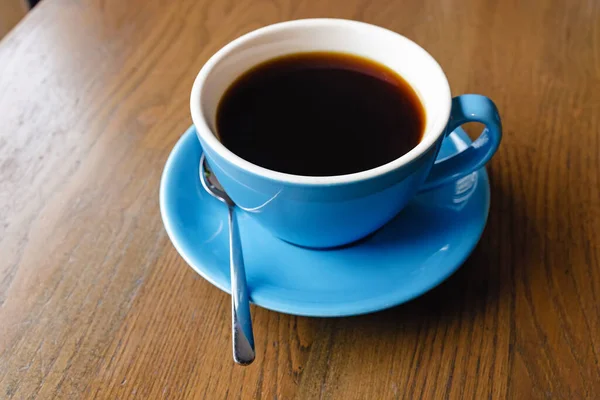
335	210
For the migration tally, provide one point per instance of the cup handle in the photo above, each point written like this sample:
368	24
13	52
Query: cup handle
468	108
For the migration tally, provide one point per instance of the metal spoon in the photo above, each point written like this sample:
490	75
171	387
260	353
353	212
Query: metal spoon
243	337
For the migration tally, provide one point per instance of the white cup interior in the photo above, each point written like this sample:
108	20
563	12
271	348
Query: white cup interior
398	53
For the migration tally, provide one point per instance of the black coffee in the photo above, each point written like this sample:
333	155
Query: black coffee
320	114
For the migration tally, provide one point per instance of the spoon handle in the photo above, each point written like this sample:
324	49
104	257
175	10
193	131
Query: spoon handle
243	338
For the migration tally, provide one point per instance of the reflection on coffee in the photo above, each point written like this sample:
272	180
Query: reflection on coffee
320	114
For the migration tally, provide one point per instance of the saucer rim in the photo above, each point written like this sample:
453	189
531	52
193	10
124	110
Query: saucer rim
387	300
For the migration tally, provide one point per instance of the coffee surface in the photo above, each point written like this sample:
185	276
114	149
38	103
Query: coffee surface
320	114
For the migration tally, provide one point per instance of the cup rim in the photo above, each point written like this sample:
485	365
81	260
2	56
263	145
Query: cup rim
206	134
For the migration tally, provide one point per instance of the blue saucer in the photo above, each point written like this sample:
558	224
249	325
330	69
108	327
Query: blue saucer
416	251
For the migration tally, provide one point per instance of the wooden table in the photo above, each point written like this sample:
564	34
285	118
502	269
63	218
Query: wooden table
96	303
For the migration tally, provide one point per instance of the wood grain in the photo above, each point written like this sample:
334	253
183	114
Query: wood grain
11	12
96	303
